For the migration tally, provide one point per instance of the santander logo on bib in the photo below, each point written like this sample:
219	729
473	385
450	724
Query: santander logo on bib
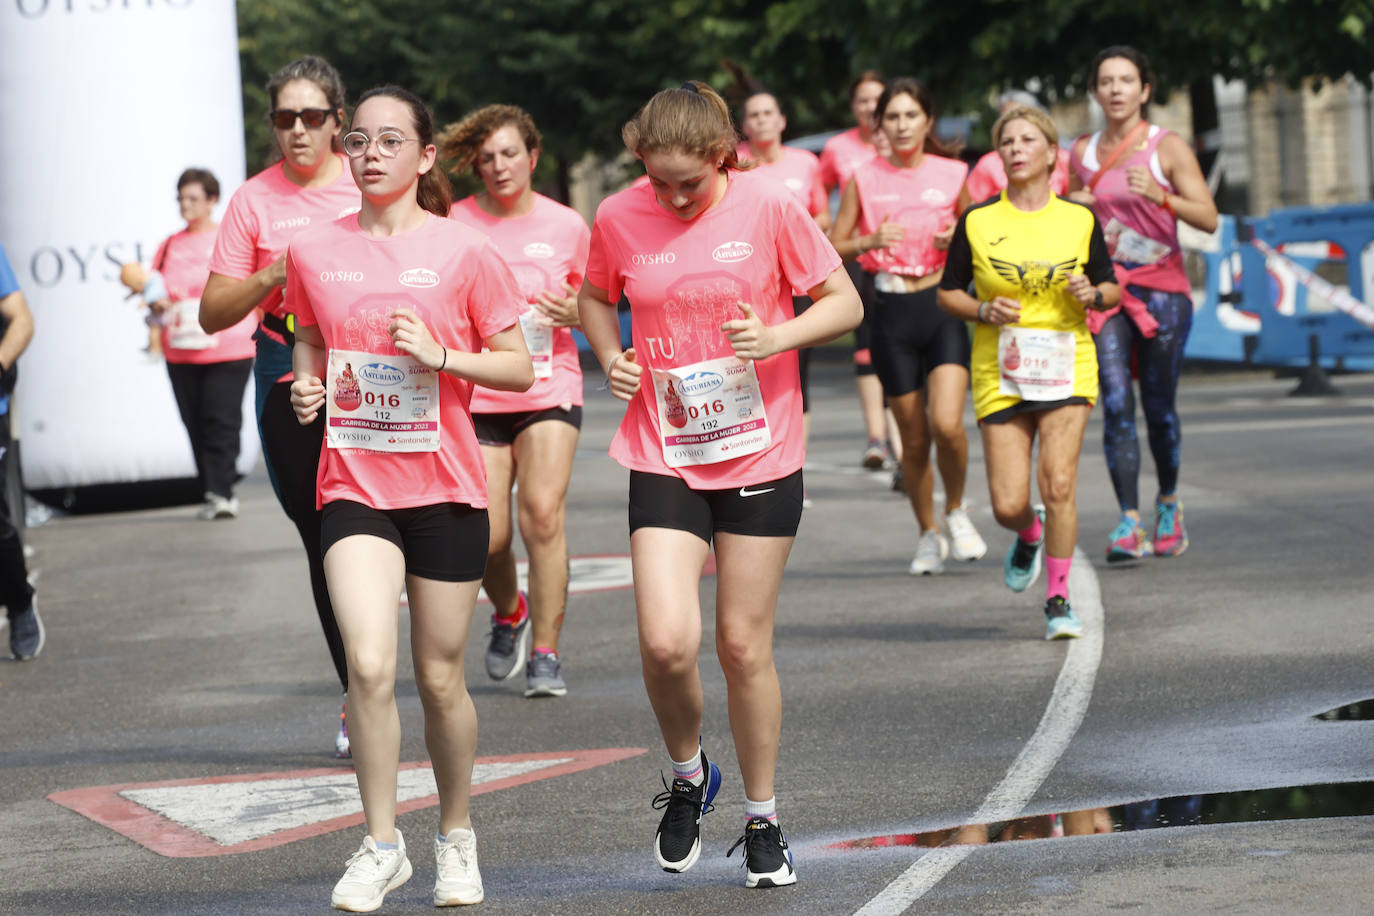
730	252
419	277
539	250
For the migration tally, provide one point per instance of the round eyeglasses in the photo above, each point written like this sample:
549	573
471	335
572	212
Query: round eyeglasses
389	143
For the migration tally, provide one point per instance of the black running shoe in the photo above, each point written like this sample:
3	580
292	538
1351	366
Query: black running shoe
678	841
767	860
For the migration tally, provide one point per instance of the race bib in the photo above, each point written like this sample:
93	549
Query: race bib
539	341
1035	365
183	327
383	403
710	411
1125	244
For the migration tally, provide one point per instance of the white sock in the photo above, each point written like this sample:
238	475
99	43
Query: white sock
690	770
764	809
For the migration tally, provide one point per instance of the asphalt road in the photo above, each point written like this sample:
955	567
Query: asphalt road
188	651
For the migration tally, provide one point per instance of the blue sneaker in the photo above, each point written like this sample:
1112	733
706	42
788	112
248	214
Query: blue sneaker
677	844
1128	541
1022	566
1060	620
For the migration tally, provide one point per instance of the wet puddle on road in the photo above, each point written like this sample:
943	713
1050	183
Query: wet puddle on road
1351	799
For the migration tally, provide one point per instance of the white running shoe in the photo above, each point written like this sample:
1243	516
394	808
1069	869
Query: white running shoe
371	873
217	506
457	881
966	543
931	551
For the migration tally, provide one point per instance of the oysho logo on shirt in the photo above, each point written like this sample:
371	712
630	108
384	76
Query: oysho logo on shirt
731	252
935	197
381	374
419	277
662	257
341	276
540	250
291	222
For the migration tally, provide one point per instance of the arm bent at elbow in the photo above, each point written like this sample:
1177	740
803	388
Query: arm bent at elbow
227	301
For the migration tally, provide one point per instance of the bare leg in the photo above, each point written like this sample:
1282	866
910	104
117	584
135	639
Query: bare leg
440	616
910	414
946	386
1061	442
500	581
667	568
543	465
749	574
365	575
1007	453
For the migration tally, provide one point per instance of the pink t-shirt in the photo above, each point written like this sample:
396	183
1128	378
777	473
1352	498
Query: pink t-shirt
989	176
543	249
183	260
683	279
841	155
924	200
265	214
348	282
1115	199
799	170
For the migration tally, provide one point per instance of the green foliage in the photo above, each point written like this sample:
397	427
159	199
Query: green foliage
582	69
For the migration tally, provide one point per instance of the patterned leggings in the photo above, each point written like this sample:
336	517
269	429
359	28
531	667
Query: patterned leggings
1159	360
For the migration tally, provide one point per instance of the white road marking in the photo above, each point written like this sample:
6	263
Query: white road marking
236	812
1067	705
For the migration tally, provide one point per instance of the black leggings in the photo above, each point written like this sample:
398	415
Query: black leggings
292	453
210	398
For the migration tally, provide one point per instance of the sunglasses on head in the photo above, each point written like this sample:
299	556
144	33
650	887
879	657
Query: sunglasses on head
285	118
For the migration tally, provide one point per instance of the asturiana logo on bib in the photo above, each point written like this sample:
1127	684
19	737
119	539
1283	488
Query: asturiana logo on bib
539	250
731	252
700	383
381	374
341	276
419	277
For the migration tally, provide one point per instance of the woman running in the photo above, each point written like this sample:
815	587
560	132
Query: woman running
708	257
208	371
409	298
527	439
904	208
1141	180
247	270
841	155
1037	263
800	171
988	177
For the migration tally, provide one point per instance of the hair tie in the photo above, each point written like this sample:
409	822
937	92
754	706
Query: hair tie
691	87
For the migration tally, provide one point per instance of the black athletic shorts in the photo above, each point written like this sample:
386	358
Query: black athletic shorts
1022	407
863	334
502	428
447	542
911	336
771	509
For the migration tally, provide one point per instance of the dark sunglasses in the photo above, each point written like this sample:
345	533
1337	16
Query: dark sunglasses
285	118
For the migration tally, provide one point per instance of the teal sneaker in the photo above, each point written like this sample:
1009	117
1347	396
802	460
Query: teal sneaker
1022	566
1171	538
1060	620
1128	541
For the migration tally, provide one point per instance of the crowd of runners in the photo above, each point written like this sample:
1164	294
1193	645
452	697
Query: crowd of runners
416	374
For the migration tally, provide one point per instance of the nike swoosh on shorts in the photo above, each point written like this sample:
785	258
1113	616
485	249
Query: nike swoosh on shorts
745	491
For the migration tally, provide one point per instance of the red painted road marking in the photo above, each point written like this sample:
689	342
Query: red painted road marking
114	806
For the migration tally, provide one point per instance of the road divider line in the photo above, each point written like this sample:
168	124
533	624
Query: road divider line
1068	704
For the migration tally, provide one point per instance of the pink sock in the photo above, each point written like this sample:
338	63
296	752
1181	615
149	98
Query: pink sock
1032	534
1057	571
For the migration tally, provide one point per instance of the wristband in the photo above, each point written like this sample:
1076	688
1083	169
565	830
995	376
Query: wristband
1168	204
982	305
1097	299
606	385
445	362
